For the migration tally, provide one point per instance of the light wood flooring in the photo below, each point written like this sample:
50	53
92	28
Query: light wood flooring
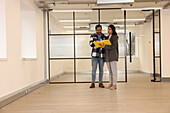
139	95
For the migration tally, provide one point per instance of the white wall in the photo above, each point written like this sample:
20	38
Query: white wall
17	73
165	42
2	30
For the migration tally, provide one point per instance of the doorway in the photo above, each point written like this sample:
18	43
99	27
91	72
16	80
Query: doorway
70	54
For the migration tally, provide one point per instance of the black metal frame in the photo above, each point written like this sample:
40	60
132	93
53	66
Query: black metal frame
48	22
125	46
74	47
153	14
160	47
154	56
74	34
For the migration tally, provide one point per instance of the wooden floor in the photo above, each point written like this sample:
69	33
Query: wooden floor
139	95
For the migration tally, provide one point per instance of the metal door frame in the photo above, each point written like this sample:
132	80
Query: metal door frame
74	35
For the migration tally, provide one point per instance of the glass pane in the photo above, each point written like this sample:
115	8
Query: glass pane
121	69
157	69
62	70
83	49
141	28
84	71
61	46
157	44
156	21
115	17
86	21
121	45
61	22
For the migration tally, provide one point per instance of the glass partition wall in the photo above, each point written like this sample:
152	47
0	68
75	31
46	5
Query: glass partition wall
69	36
157	46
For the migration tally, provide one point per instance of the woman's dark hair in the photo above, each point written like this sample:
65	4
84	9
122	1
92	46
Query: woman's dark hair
113	29
98	26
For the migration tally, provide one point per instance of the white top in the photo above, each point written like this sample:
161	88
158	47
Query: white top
110	36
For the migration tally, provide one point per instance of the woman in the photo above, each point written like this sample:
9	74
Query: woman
111	57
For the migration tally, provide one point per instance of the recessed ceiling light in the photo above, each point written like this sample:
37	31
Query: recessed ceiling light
149	8
120	31
119	20
114	1
78	31
72	10
76	26
75	20
123	25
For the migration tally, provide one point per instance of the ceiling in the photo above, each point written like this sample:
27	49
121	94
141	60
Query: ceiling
90	4
107	16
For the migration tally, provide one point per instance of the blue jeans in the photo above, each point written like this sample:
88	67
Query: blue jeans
96	61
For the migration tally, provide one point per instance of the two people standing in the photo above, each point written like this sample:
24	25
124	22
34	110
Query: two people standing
107	53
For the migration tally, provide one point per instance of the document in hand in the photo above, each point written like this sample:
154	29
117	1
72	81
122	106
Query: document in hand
106	42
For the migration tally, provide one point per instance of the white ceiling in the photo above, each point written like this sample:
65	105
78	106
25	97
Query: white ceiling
89	4
107	16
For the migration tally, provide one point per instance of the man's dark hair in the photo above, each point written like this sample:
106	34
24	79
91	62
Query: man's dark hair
98	26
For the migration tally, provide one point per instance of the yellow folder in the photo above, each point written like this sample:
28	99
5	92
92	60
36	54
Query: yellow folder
106	42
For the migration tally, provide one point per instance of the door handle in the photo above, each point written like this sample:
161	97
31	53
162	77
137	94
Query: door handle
130	46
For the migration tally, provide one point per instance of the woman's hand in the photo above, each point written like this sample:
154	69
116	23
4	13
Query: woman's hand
102	45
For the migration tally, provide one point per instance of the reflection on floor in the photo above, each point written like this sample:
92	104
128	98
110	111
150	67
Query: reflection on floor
84	77
139	95
157	77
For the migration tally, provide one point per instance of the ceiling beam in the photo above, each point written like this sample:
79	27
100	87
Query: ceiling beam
167	6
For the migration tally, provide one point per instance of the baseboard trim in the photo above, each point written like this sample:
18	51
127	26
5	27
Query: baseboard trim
18	94
165	79
57	76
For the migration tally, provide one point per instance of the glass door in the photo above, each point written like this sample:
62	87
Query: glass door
143	44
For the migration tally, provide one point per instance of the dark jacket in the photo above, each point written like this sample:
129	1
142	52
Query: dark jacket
95	51
112	51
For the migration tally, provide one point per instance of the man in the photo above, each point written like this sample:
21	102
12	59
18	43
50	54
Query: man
97	56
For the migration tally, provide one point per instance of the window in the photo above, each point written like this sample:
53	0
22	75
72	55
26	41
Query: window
2	30
28	32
